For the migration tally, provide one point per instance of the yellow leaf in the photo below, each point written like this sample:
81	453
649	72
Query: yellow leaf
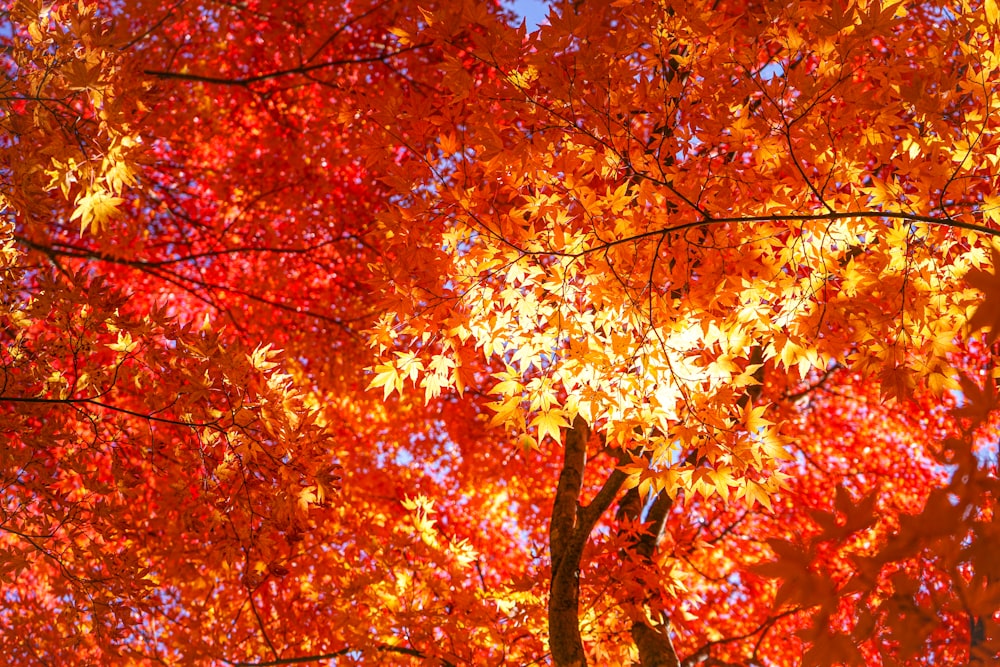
753	418
95	209
549	423
125	343
991	207
754	492
387	377
432	385
401	35
992	9
508	385
940	383
409	365
259	359
506	410
722	479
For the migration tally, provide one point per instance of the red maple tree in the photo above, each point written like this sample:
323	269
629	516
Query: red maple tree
385	333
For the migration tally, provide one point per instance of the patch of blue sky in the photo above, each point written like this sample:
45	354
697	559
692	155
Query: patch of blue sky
404	458
771	71
532	12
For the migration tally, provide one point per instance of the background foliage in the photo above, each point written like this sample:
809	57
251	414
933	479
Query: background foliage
391	333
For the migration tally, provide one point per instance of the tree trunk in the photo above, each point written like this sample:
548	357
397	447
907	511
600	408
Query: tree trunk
655	647
568	534
564	596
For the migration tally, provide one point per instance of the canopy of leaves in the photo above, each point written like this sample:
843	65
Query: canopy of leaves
383	332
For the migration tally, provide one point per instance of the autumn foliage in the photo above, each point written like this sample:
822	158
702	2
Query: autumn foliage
404	333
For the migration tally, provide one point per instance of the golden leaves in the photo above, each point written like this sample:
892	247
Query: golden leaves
95	208
549	424
386	376
86	145
124	344
992	10
263	358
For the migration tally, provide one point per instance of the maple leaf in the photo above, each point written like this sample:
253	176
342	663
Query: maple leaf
94	209
753	418
549	423
386	376
979	402
987	313
124	344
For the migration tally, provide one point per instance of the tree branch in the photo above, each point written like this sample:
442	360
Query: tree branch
653	642
816	385
655	647
752	392
657	518
304	69
106	406
383	648
708	221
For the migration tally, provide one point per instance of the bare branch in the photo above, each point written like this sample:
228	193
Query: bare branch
292	71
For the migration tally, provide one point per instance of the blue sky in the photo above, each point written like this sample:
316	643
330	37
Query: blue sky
532	11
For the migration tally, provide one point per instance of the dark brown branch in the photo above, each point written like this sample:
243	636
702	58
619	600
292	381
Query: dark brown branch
702	655
292	661
589	514
655	647
383	648
154	269
153	28
261	625
816	385
711	221
652	641
106	406
656	518
353	20
566	503
68	250
292	71
752	392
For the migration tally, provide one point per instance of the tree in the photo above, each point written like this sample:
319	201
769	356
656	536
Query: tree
376	333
